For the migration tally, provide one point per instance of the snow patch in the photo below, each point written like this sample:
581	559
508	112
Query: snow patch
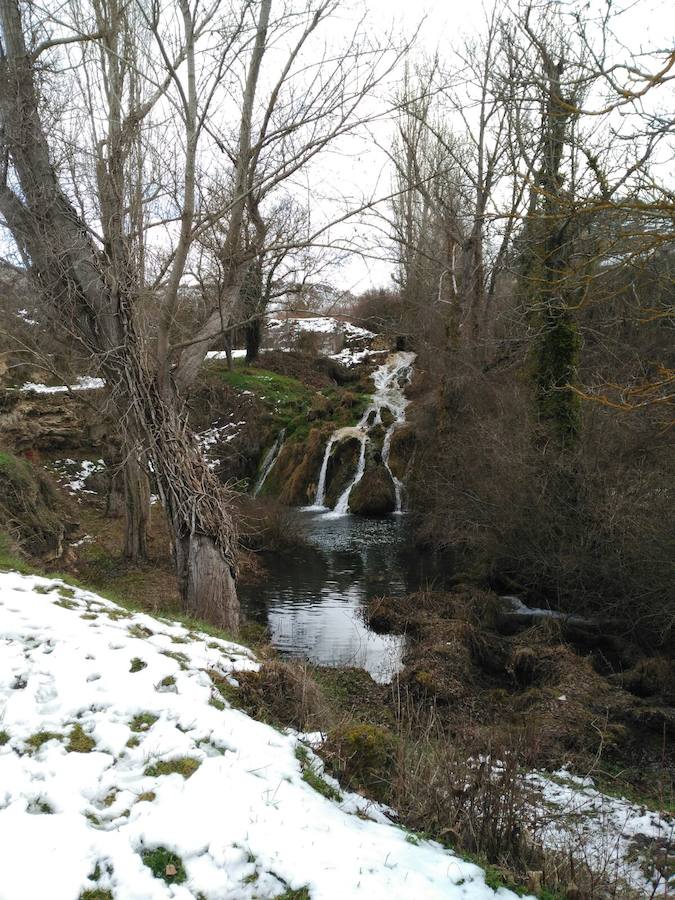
245	824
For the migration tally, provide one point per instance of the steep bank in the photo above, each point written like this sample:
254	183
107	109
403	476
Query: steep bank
130	776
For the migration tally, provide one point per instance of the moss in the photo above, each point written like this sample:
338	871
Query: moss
137	664
133	741
311	777
143	721
96	894
35	741
182	765
165	864
79	742
364	754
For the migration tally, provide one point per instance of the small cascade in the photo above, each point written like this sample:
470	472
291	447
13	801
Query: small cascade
342	506
386	449
389	379
269	461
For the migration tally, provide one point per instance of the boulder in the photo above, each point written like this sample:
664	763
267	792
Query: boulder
401	450
341	468
375	494
294	477
387	416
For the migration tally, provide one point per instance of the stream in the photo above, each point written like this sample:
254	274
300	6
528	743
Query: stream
313	598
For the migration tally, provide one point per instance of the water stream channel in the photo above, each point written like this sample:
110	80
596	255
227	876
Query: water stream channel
313	598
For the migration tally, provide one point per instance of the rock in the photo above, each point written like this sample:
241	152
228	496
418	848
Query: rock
51	422
294	477
387	416
401	450
375	494
341	468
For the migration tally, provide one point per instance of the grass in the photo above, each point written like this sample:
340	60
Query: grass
96	894
9	561
4	738
165	865
288	400
137	664
142	722
311	777
79	741
182	765
35	741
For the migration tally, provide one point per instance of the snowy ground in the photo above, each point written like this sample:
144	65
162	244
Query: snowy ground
117	752
83	383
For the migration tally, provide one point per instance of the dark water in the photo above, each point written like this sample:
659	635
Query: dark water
312	599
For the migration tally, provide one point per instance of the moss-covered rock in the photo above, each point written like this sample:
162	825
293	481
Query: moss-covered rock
341	468
362	755
375	494
294	478
401	450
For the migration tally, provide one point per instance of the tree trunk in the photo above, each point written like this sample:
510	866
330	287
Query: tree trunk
253	340
136	509
207	582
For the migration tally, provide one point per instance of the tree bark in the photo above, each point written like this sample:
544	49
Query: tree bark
136	508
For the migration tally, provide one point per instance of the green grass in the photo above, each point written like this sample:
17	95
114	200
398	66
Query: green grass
4	738
35	741
165	865
9	561
79	741
137	664
182	765
96	894
142	722
311	777
288	400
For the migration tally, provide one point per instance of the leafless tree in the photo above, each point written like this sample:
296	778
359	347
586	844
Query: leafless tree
163	71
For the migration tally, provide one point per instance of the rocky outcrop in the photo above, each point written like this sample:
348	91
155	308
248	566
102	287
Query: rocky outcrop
341	467
294	477
401	450
31	421
375	494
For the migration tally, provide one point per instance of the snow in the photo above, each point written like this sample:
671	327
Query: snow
221	354
72	473
83	383
244	825
611	834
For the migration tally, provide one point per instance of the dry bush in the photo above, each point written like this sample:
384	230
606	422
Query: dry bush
585	530
284	694
378	310
266	525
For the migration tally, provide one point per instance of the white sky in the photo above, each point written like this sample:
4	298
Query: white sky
443	24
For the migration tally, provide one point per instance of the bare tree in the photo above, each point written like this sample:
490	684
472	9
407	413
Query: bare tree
162	70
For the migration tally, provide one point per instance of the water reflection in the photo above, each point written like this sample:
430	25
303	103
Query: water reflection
312	599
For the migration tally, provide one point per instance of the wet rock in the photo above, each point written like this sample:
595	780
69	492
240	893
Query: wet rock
387	416
401	450
294	477
375	494
341	469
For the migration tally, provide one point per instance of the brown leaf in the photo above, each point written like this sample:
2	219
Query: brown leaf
171	870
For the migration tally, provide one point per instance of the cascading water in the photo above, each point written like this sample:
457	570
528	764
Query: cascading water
389	379
269	461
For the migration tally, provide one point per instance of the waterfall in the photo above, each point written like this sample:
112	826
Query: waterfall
389	379
342	506
386	449
319	500
269	461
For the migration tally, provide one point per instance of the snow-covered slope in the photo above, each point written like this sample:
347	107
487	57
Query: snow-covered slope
97	705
